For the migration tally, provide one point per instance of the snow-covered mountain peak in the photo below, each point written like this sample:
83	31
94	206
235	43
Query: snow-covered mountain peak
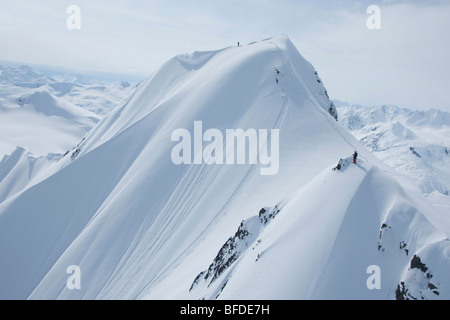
140	225
42	123
45	103
223	83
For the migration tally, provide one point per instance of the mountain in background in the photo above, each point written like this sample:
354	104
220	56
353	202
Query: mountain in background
42	123
23	76
141	227
39	124
415	143
99	97
50	114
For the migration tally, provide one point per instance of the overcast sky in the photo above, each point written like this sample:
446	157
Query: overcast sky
405	63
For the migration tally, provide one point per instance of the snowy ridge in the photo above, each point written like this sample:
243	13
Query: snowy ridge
245	237
19	170
141	227
334	260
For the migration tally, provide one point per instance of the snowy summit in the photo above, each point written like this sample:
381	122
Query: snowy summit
139	226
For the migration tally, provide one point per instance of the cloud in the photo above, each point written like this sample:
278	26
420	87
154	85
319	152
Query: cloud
405	63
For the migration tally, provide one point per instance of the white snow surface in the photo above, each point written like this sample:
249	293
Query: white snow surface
141	227
42	124
416	143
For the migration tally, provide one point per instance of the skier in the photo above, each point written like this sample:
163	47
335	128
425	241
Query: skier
355	157
339	166
239	44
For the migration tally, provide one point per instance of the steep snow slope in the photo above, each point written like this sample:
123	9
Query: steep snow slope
21	169
139	226
321	243
36	130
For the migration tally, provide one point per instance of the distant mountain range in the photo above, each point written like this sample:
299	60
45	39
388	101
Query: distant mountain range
88	93
49	114
416	143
